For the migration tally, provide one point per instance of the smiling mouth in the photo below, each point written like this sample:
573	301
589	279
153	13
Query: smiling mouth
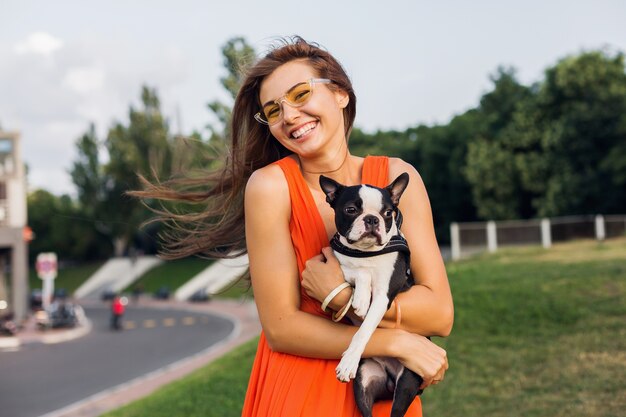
297	134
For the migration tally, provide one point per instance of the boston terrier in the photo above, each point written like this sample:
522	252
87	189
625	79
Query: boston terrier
374	258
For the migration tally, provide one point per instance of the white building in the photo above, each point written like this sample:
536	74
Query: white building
13	218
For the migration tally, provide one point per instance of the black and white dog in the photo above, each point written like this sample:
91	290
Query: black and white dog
374	257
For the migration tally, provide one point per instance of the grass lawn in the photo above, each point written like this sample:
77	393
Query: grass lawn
171	274
537	333
69	278
238	290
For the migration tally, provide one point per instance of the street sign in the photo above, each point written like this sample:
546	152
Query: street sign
47	270
46	265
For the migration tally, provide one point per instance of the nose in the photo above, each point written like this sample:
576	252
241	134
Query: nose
370	221
290	113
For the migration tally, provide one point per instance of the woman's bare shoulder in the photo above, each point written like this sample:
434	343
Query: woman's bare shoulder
268	178
267	184
397	166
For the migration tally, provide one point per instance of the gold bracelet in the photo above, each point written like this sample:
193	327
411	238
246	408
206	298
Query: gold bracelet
398	314
333	294
344	310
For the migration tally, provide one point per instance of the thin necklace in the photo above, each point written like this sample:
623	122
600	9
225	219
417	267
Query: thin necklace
345	158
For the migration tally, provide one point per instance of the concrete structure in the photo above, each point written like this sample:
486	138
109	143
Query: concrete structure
214	278
115	275
13	247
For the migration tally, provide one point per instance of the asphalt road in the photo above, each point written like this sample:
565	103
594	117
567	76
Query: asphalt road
39	379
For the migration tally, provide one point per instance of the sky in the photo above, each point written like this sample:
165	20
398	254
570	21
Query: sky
66	64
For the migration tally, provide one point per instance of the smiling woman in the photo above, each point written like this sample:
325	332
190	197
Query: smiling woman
290	123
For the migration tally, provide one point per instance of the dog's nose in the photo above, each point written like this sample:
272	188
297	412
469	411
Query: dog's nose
370	221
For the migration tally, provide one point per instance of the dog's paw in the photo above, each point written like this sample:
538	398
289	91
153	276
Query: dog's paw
346	370
361	306
360	310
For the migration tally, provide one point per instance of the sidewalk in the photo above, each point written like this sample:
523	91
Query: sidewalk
30	334
242	313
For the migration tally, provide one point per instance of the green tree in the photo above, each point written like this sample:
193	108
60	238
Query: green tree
143	146
88	174
576	137
237	56
60	225
491	152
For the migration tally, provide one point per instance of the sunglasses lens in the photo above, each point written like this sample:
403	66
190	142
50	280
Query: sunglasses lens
271	113
299	95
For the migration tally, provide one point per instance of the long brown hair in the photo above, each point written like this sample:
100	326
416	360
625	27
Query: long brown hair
217	230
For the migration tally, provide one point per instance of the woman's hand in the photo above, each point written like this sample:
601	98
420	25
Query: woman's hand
321	275
422	357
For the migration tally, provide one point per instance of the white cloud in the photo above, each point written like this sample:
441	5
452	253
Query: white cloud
84	80
40	43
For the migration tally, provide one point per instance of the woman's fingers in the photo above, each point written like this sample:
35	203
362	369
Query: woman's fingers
424	358
321	275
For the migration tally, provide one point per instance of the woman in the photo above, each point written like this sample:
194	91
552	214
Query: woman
304	107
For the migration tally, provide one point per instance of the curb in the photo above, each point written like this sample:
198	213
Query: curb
14	342
9	343
66	336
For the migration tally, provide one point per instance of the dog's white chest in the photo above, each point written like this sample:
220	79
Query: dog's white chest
379	268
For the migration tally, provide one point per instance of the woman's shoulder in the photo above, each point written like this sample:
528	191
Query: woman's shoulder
268	182
266	196
397	166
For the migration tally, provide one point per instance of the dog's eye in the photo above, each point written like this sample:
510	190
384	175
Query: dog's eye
388	213
350	210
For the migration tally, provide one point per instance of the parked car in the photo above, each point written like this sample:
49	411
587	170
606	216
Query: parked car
7	325
162	293
36	299
107	295
200	296
60	294
60	314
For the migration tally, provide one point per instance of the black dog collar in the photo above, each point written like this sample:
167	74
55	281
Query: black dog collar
396	244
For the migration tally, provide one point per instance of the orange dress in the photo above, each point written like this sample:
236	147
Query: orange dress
284	385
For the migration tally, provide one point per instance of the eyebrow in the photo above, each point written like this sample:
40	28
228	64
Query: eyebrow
287	92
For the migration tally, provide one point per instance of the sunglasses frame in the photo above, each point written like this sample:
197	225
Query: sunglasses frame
259	118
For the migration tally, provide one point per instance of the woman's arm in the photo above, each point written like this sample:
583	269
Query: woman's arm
427	307
274	274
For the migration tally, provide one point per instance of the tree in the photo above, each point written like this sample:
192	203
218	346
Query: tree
87	173
490	167
238	55
60	225
440	157
144	147
576	137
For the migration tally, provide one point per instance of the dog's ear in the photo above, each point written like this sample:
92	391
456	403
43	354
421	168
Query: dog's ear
331	188
397	187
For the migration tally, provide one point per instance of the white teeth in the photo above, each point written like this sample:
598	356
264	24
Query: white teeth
304	129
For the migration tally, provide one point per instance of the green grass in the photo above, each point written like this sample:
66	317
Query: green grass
70	277
171	274
238	290
538	333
